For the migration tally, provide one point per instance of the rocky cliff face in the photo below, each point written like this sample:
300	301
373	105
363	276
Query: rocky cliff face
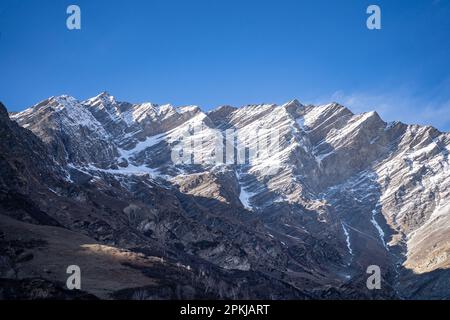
300	218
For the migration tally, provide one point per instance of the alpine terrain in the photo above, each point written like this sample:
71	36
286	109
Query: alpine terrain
96	184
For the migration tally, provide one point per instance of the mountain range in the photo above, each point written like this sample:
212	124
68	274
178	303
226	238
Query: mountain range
94	183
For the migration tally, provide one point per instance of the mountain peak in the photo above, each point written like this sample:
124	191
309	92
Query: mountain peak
104	93
223	107
191	108
63	98
60	102
104	97
293	103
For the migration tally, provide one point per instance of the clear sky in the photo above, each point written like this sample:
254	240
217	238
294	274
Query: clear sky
214	52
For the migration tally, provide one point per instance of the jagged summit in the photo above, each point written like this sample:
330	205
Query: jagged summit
101	97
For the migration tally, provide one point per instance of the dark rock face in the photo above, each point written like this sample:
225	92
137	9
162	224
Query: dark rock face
94	183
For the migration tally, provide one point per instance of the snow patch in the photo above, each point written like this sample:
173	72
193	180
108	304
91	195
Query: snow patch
378	227
301	123
347	238
320	157
142	145
244	197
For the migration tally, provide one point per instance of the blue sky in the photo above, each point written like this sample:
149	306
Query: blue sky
214	52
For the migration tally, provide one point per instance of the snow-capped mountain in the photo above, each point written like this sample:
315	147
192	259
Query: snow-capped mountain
306	216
